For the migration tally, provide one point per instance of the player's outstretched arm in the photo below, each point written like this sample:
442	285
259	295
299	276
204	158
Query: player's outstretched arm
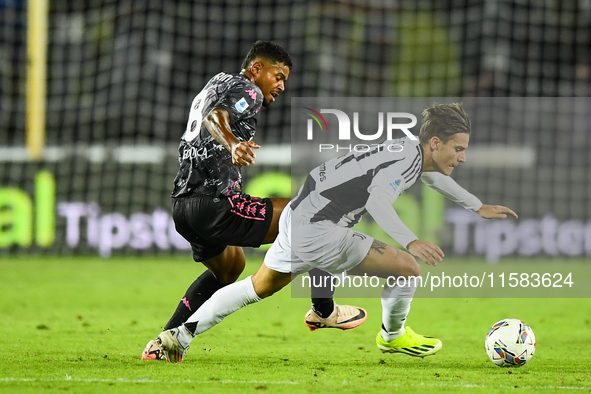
379	206
449	188
495	212
217	123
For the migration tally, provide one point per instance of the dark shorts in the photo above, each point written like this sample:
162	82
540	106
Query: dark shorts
210	224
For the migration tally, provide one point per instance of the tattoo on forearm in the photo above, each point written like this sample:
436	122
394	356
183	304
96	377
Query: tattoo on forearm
378	246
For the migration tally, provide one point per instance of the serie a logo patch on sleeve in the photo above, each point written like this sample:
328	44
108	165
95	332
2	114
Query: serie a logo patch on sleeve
241	105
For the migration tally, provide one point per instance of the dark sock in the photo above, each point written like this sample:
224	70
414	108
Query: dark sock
199	292
322	302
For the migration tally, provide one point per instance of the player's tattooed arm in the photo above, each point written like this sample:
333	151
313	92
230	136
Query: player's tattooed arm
217	123
378	246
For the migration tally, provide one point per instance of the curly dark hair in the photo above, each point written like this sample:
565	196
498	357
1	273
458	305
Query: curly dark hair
267	50
443	121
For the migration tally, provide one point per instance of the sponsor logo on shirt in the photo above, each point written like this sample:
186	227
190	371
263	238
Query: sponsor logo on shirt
241	105
322	172
395	184
192	152
252	94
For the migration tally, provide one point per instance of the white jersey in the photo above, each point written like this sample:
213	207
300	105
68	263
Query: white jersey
313	229
338	190
341	190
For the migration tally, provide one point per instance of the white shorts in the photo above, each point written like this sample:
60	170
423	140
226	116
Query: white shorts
302	246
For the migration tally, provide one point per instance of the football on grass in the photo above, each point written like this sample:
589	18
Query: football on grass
510	343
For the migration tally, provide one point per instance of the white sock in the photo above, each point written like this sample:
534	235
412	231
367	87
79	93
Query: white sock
185	337
395	307
223	302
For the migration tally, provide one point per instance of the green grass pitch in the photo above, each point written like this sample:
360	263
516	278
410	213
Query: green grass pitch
79	324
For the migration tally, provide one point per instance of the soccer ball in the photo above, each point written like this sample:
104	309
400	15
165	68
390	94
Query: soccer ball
510	343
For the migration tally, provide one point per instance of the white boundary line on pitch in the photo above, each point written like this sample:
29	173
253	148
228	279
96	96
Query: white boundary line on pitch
288	382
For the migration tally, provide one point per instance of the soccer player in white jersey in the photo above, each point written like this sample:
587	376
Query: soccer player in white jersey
315	230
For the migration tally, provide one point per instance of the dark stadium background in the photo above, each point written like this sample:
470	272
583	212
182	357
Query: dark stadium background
121	75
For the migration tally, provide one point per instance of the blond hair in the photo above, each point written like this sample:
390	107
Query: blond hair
443	121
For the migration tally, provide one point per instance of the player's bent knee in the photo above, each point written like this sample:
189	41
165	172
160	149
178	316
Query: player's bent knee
265	292
226	277
411	267
416	269
233	272
263	288
267	282
228	266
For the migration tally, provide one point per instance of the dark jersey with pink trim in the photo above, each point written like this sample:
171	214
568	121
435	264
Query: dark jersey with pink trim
205	165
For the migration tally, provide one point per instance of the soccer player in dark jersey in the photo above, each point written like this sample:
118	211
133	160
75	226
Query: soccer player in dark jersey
209	207
315	230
